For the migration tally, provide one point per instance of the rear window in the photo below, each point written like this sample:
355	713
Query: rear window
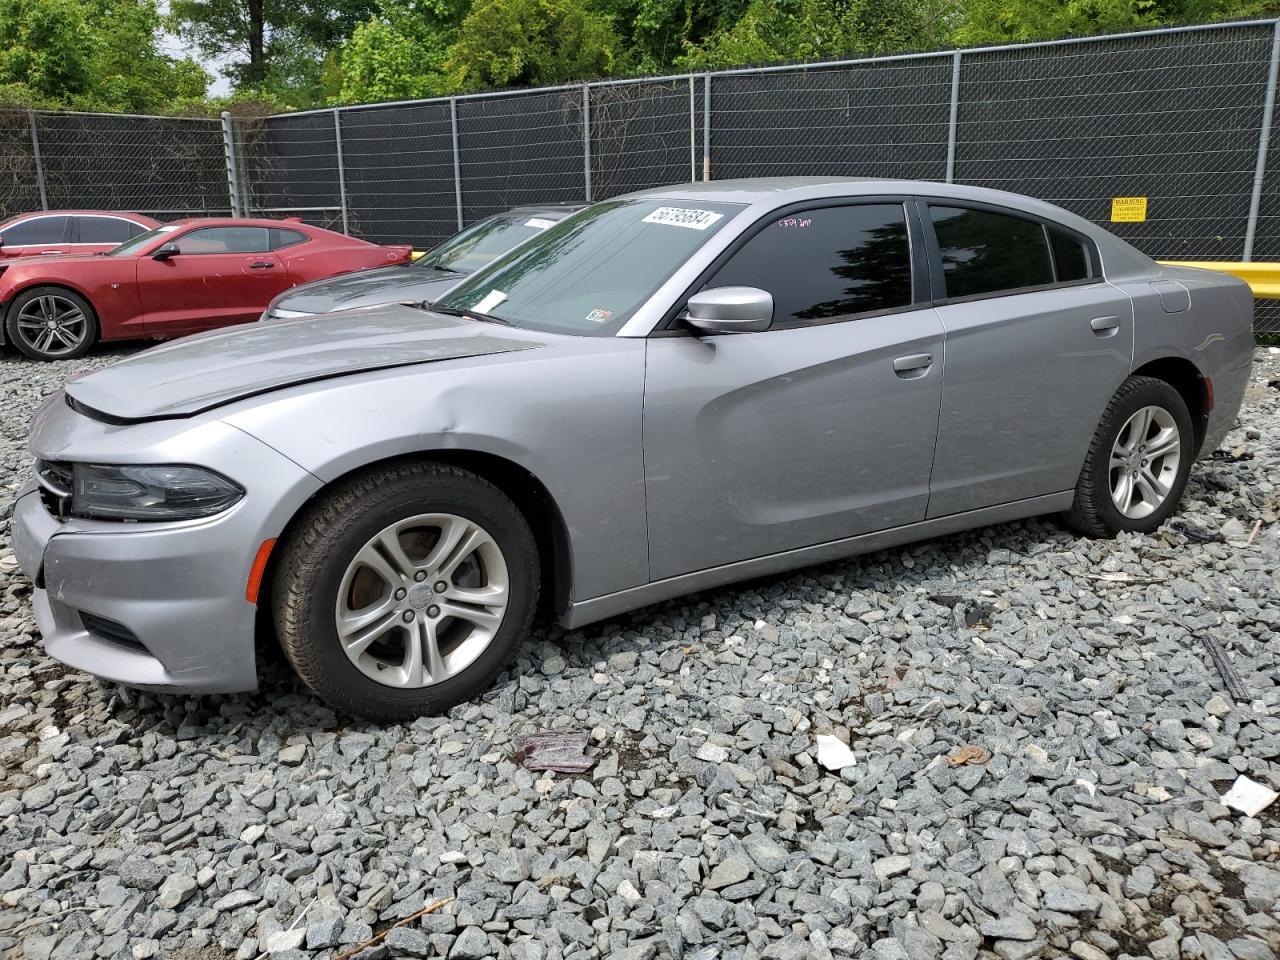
1070	260
986	252
281	238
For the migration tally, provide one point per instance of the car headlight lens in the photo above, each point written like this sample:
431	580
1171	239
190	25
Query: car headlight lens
104	492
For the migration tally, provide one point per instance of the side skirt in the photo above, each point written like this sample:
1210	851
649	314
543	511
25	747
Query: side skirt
580	613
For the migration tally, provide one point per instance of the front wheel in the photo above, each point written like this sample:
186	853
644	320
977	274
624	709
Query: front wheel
51	323
406	590
1138	461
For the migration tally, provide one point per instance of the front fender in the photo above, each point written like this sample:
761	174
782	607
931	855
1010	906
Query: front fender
571	420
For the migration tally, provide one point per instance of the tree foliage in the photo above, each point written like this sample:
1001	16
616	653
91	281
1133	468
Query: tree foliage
276	48
771	31
504	43
92	55
107	55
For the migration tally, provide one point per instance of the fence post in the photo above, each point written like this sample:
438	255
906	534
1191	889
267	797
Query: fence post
1264	139
954	118
693	132
457	165
233	178
39	161
342	170
706	126
586	139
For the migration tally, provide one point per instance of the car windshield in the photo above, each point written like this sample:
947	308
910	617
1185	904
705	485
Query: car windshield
481	243
130	247
588	274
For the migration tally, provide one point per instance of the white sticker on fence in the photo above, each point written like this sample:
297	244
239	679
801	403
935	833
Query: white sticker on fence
683	217
489	301
540	223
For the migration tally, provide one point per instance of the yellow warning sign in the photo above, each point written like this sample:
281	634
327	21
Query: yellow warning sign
1128	209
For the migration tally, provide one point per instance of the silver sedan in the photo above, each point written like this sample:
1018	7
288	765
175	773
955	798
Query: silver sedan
665	392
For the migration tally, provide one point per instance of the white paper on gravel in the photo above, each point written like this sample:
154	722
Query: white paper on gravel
1249	797
833	753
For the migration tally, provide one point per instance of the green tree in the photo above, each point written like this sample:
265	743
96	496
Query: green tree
531	43
1006	21
400	53
772	31
277	48
92	54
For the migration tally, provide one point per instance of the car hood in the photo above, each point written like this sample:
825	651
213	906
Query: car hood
197	373
367	288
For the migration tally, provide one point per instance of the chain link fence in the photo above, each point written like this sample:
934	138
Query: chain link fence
1182	117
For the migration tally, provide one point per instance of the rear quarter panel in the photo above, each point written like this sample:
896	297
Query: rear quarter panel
315	261
1214	332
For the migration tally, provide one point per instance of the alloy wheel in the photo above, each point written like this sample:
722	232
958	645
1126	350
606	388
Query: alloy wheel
422	600
1144	462
52	325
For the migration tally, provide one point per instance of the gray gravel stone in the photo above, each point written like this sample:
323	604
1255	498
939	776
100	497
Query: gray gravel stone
197	827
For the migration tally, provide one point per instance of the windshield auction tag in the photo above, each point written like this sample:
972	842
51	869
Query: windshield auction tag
540	223
489	301
683	217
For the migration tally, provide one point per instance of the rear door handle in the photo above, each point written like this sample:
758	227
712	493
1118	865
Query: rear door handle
261	265
912	366
1105	326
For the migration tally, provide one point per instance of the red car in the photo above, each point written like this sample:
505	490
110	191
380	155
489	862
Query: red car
179	278
69	231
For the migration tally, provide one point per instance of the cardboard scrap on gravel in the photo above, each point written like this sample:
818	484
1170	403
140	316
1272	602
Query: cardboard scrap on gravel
969	753
561	752
1249	797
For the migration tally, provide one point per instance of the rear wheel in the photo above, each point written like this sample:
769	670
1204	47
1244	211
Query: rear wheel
1138	461
405	591
51	323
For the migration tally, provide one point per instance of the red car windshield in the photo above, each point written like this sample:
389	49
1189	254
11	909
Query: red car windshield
130	247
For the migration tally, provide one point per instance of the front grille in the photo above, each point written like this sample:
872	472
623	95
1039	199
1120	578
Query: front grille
55	479
112	632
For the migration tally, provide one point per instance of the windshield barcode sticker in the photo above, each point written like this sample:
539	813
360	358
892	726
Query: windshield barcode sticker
683	217
540	223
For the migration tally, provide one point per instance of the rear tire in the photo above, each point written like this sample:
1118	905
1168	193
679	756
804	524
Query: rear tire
405	590
1138	461
51	323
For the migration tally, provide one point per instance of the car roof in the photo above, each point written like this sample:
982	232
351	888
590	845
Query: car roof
82	213
244	222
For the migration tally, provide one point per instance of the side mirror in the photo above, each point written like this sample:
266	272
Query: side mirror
166	251
730	310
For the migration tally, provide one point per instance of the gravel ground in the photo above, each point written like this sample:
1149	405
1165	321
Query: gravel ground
137	826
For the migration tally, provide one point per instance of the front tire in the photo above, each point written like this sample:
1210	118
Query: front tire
406	590
51	323
1138	461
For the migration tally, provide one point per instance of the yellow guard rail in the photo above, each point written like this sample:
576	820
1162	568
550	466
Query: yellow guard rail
1263	278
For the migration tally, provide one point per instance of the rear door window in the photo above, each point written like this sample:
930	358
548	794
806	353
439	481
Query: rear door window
112	230
985	252
828	263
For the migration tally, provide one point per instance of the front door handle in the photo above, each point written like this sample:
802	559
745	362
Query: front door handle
912	366
261	265
1105	326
